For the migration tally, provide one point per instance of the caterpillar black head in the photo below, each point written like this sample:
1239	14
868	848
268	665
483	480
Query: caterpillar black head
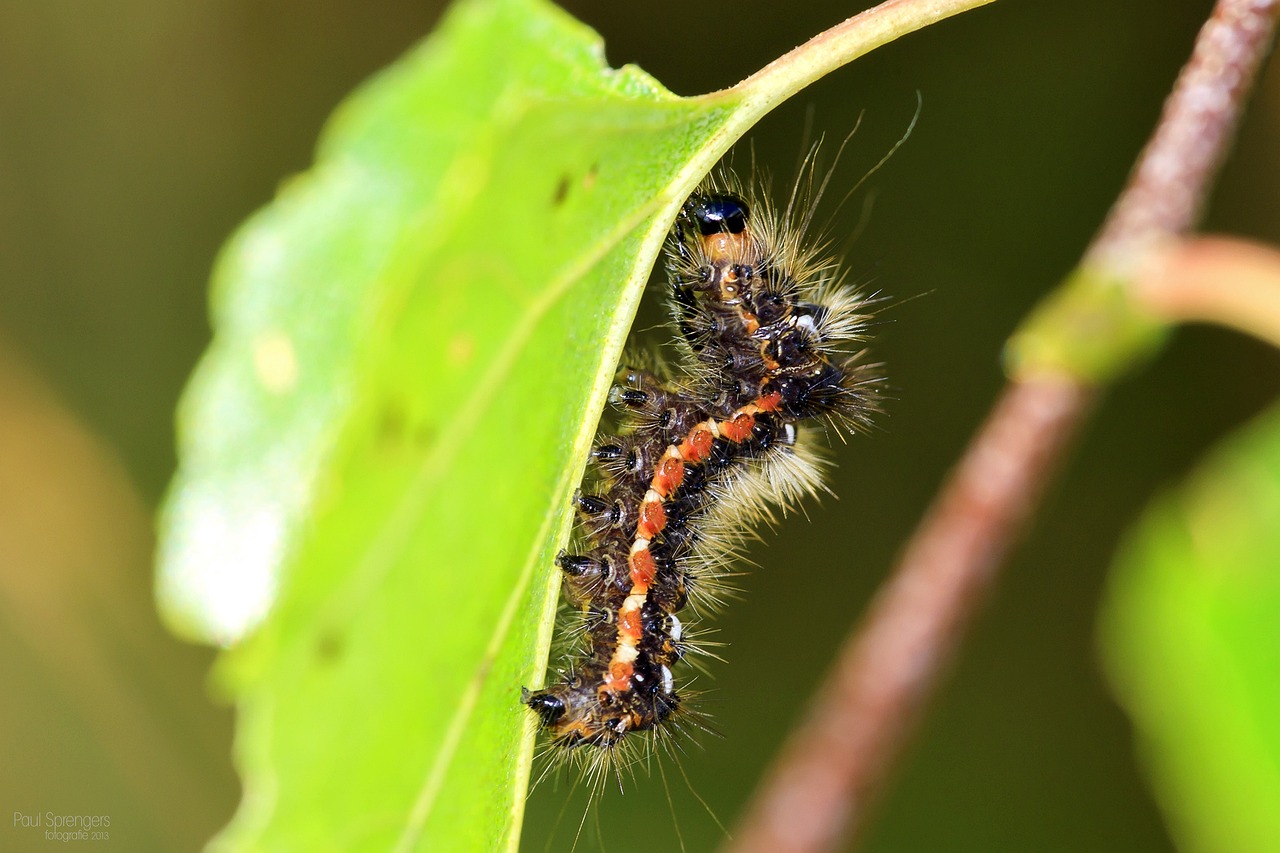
722	213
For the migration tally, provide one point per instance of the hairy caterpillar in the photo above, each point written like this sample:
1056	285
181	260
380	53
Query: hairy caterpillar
701	459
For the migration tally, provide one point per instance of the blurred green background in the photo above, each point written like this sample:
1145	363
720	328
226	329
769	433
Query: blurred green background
135	134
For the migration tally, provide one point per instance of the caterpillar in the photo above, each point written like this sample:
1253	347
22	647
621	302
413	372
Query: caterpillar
769	344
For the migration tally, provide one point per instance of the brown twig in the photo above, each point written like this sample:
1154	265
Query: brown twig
1168	186
819	790
887	670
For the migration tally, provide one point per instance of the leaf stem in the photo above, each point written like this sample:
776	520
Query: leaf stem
845	42
835	763
827	51
1223	280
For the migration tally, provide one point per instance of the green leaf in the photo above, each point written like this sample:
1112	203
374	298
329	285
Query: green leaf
413	345
1191	635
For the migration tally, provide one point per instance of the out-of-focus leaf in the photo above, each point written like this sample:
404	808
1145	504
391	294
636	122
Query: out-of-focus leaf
102	711
413	343
1191	635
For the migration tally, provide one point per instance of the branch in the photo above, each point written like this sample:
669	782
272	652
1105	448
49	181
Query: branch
1168	187
835	764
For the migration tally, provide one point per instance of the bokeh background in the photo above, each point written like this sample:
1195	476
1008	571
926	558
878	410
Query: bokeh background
135	135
